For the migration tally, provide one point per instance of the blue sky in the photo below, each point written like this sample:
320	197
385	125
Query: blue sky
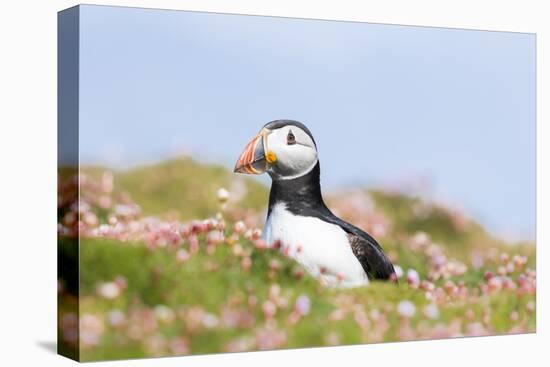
448	113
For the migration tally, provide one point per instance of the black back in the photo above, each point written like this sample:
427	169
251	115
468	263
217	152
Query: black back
302	196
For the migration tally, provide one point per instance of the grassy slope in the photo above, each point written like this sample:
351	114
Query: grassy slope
155	278
458	239
181	186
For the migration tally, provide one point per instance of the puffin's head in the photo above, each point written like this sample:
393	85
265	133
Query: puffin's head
284	148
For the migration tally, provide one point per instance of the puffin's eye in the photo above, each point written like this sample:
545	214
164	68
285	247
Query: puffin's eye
290	138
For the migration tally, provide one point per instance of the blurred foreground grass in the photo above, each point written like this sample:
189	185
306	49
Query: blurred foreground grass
157	280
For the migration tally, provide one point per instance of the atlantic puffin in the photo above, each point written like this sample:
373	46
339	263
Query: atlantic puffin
298	220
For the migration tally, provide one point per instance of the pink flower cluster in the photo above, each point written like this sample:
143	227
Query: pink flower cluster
440	265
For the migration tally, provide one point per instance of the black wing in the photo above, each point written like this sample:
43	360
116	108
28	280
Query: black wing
367	250
371	257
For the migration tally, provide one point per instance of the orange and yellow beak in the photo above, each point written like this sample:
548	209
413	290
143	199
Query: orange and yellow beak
254	159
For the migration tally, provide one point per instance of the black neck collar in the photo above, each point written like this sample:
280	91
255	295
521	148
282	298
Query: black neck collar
301	195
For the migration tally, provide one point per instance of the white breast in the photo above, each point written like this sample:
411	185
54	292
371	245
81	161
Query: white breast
322	248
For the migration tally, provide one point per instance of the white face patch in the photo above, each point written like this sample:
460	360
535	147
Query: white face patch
294	159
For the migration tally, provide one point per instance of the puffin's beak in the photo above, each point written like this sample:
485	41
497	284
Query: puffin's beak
252	159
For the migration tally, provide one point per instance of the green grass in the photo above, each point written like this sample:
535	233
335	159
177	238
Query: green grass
186	190
154	278
182	187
